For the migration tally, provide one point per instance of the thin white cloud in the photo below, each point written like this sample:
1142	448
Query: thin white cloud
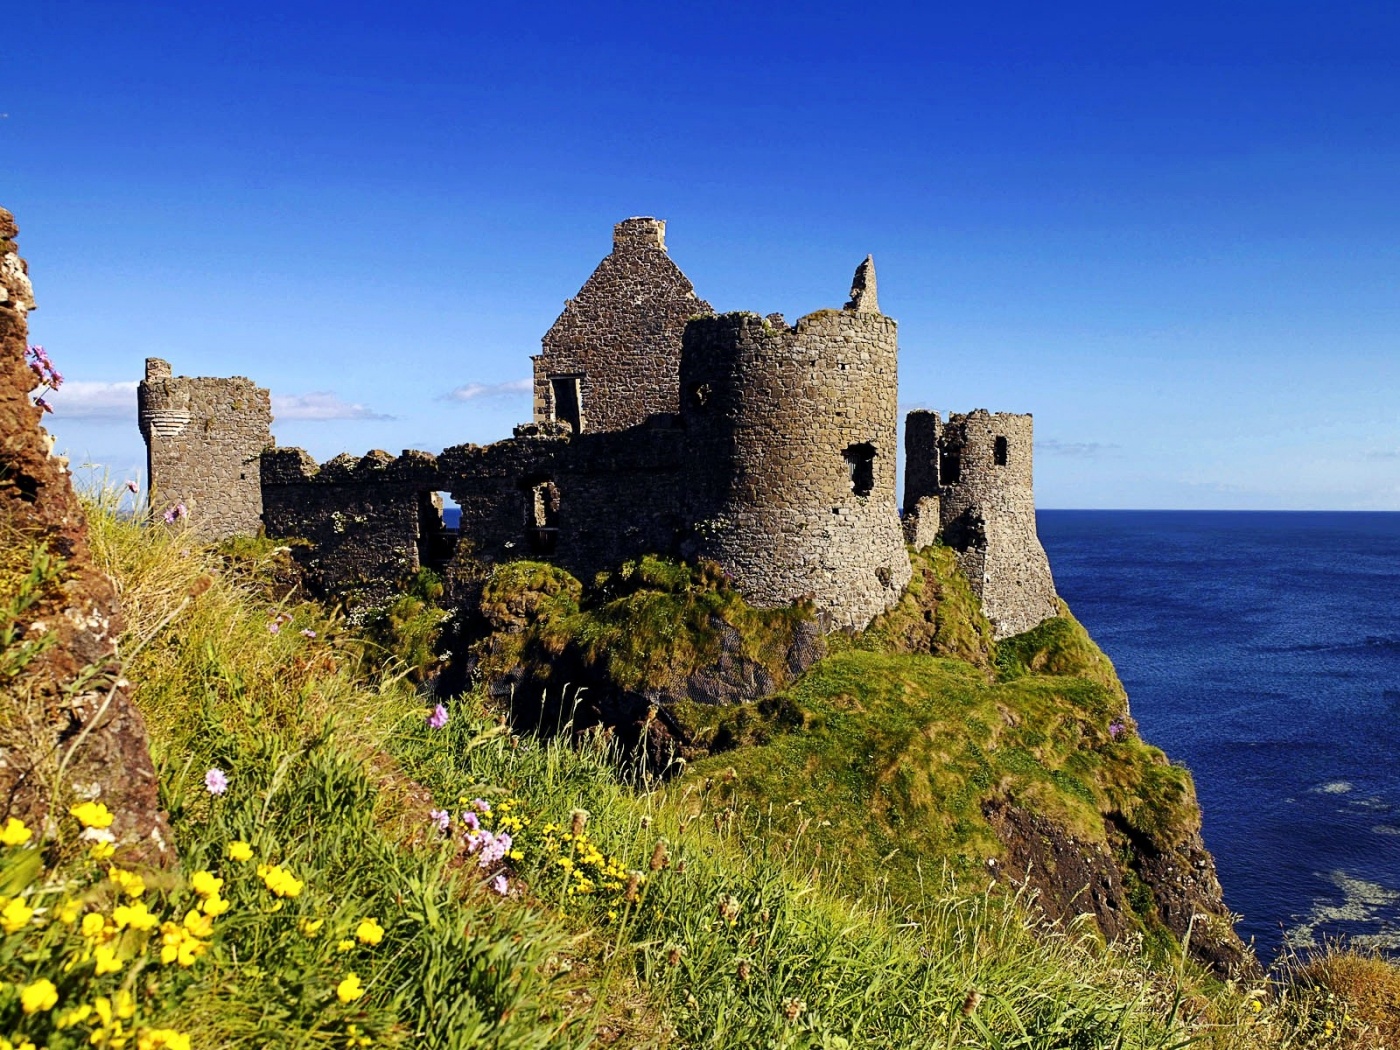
474	391
1074	449
99	402
320	406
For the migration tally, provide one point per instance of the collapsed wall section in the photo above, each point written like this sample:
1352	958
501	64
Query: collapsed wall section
370	523
976	469
612	358
793	434
203	439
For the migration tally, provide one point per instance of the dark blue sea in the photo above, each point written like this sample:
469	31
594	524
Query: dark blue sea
1262	650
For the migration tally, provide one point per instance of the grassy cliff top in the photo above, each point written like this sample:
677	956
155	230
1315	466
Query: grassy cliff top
368	909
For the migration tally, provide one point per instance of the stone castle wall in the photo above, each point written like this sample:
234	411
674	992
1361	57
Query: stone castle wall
203	440
587	502
620	336
793	447
979	466
371	522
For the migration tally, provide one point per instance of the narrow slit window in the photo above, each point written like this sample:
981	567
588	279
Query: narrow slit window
542	516
1001	452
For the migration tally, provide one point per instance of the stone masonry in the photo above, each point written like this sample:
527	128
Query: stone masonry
203	441
978	467
612	358
659	428
793	432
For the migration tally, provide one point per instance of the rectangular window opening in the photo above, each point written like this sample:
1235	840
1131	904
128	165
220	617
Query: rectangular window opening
949	466
1001	452
568	401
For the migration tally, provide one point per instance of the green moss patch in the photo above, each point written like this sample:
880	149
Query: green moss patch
648	628
938	615
897	755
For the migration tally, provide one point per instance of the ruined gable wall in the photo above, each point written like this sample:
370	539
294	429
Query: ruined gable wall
203	439
793	447
986	509
370	522
622	333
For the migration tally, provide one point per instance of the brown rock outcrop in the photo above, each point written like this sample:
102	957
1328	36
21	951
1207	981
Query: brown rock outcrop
68	729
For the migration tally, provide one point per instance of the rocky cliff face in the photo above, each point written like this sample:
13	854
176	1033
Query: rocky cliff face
68	731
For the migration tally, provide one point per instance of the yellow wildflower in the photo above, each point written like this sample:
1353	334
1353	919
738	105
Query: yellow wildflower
162	1039
311	927
134	915
69	911
39	997
106	961
279	880
93	925
344	946
73	1016
240	851
92	815
121	1007
14	833
102	850
15	915
199	925
214	906
132	884
178	946
347	990
206	883
369	931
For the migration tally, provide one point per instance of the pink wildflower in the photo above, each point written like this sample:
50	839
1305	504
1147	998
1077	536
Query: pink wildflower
131	486
438	718
441	818
216	781
470	820
307	632
500	885
275	627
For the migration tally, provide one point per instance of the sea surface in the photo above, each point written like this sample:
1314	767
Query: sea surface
1262	650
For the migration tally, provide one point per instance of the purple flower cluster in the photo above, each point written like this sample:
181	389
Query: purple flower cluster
1116	728
49	376
176	513
441	818
490	847
216	781
438	718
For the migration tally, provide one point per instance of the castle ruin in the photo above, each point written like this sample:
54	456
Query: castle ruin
659	427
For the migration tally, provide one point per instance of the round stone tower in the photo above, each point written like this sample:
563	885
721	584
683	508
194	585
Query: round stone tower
793	432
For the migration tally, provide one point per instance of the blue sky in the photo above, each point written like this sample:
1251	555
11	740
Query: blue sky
1172	232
